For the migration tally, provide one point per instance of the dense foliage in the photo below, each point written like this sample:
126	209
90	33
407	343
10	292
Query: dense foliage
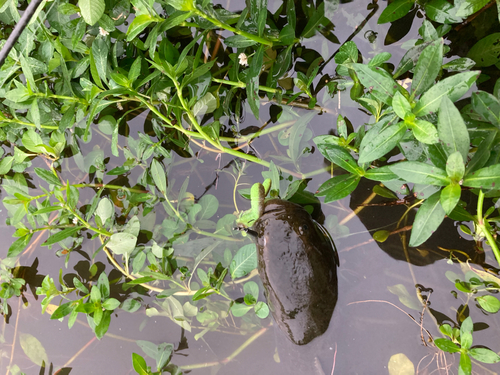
80	71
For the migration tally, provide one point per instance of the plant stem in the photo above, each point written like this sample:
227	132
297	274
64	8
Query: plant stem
484	229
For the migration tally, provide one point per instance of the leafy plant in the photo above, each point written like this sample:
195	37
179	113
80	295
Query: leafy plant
461	342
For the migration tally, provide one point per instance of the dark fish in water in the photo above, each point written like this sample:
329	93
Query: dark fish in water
298	267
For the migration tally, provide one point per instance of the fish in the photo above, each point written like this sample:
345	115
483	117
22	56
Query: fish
297	262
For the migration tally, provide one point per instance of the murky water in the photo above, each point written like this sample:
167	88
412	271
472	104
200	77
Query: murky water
369	324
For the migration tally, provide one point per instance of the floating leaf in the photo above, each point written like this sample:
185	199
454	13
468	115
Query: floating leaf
400	364
34	349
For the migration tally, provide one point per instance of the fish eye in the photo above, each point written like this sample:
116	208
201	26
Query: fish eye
303	229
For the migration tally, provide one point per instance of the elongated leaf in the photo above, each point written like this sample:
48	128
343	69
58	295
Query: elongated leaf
340	156
455	167
48	176
446	345
452	130
484	178
158	174
59	236
381	142
252	81
450	196
425	131
91	10
395	10
420	173
380	174
428	66
487	106
338	187
314	21
483	354
239	41
100	56
486	51
377	80
138	25
400	105
454	87
428	218
19	245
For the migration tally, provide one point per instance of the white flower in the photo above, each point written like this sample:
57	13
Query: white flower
103	32
119	106
243	59
75	220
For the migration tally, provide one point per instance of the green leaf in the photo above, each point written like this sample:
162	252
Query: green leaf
468	7
91	10
139	364
158	174
454	87
48	177
446	345
428	218
455	167
420	173
441	11
339	156
6	164
381	174
484	178
377	143
486	51
490	304
450	196
395	10
111	304
164	351
452	130
314	21
400	105
377	80
252	81
338	187
466	333
487	106
484	355
240	309
209	206
239	41
465	364
33	142
428	67
261	310
19	245
425	131
122	243
100	56
138	25
184	5
287	35
244	261
63	310
59	236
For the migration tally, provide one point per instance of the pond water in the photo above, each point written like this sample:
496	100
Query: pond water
377	315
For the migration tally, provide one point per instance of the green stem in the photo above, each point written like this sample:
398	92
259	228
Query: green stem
225	26
243	85
484	229
16	121
69	98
